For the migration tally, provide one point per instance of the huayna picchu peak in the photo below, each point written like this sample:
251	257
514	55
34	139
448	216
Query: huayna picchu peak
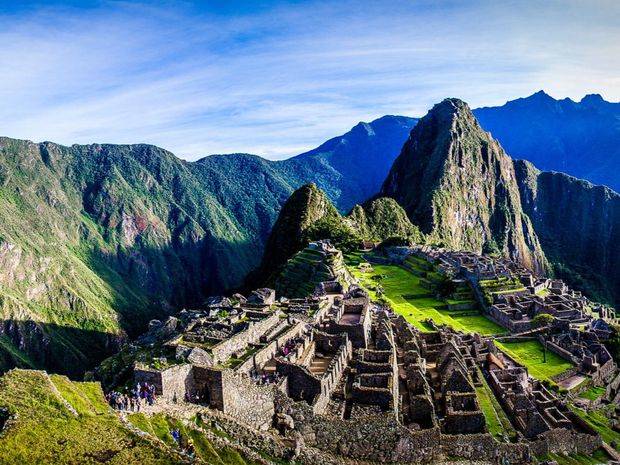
458	185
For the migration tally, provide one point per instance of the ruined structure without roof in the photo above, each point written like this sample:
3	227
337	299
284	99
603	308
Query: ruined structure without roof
348	377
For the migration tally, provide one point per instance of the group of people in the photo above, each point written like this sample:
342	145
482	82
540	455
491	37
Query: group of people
132	399
265	378
290	346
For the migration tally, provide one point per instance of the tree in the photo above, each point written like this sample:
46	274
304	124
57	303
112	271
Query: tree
543	320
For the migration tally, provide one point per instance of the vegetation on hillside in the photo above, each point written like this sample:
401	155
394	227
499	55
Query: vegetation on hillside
63	422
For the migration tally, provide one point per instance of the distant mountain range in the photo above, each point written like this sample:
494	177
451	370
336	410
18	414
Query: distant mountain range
95	240
578	138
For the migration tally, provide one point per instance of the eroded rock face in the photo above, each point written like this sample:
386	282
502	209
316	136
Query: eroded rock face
456	182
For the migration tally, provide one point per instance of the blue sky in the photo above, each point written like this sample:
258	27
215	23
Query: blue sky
276	78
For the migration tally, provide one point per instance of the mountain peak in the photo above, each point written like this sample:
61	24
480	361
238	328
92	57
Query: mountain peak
457	184
593	99
541	95
450	108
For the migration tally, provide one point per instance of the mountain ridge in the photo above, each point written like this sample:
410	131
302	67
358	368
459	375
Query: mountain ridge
102	237
458	185
578	138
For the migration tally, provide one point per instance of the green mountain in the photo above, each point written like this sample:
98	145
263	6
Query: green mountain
459	186
308	215
381	218
578	224
96	240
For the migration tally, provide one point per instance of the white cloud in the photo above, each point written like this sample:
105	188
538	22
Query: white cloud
281	80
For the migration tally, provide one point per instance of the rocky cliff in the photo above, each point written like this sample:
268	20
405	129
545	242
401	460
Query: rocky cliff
458	185
578	224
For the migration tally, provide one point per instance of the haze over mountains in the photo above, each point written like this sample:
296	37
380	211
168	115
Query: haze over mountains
96	240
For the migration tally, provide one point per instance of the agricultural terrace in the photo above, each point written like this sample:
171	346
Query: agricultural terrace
497	422
598	419
410	295
530	355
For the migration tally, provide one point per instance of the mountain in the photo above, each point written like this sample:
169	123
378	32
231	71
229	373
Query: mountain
308	268
351	168
381	218
308	215
458	185
348	168
578	225
95	241
579	138
303	213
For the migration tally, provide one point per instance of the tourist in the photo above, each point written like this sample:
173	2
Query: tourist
176	435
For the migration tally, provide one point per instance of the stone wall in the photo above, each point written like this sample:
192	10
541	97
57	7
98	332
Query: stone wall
237	343
302	385
359	333
247	401
604	372
374	389
378	439
484	447
208	385
148	376
613	389
270	350
563	441
565	354
463	414
175	380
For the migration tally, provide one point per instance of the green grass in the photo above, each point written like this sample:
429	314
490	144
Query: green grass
497	422
406	295
530	355
46	431
593	393
161	426
599	422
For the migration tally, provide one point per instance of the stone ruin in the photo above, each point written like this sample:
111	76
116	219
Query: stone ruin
580	326
585	350
338	373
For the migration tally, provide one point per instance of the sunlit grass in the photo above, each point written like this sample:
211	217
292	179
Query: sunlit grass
530	355
408	297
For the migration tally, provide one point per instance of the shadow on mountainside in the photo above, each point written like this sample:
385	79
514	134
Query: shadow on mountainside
54	348
140	284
